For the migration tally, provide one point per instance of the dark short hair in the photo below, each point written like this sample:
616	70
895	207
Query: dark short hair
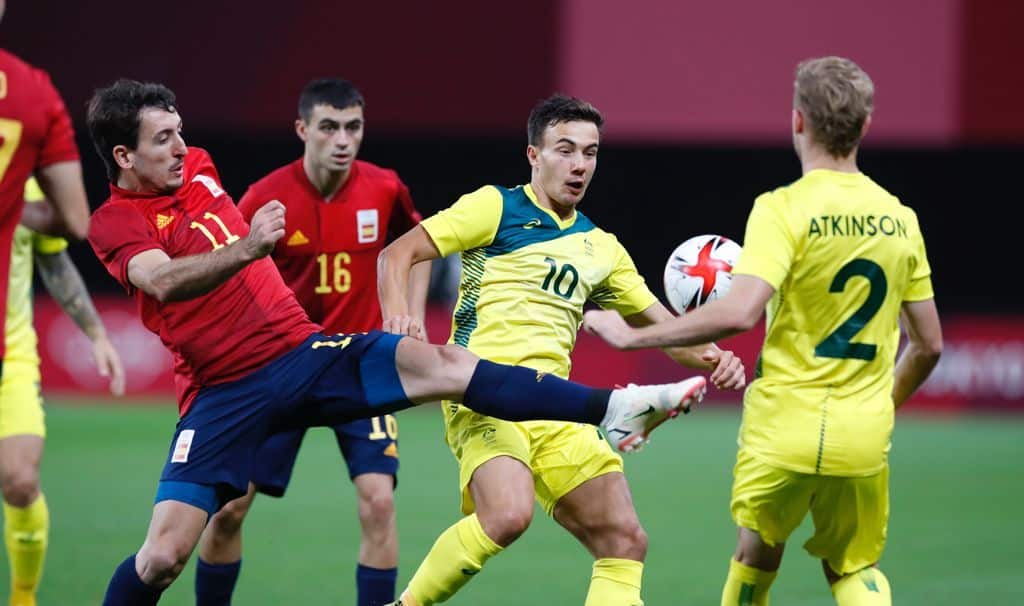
556	109
328	91
114	116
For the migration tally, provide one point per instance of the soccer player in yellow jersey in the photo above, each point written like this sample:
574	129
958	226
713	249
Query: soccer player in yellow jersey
838	261
530	261
26	517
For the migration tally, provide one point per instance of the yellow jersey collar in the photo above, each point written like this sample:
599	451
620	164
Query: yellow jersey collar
562	224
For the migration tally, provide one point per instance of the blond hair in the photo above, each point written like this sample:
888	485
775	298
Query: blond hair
836	97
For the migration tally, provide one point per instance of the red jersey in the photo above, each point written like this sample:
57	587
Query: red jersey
328	255
35	131
235	329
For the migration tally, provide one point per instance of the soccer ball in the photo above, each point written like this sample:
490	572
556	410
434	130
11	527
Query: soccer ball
699	270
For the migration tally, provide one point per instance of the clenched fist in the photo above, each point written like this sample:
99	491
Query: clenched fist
265	229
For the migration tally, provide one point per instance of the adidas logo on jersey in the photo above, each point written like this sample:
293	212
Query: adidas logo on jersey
297	238
163	221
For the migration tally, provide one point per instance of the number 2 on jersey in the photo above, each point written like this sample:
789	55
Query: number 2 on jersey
839	344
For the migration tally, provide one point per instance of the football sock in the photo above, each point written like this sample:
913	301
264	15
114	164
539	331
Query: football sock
615	582
375	586
457	555
868	587
26	533
746	586
127	589
216	582
515	393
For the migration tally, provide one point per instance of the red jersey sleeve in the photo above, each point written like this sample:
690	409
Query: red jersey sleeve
59	142
405	216
117	233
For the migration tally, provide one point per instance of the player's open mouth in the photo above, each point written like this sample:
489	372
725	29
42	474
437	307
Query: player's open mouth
176	170
575	187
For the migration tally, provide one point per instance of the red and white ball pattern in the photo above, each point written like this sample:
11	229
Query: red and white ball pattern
700	270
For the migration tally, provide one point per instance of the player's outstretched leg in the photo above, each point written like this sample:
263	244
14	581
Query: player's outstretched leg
173	533
515	393
867	587
220	553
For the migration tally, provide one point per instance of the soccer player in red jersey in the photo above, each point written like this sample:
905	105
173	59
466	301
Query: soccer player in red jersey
340	212
35	137
247	359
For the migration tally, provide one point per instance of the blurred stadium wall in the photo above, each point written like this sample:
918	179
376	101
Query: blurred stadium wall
697	97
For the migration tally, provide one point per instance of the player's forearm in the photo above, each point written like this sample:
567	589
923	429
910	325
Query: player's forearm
393	278
419	282
189	277
912	369
65	285
62	184
713	322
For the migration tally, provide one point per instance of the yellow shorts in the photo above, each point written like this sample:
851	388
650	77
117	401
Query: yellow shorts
850	513
21	406
561	455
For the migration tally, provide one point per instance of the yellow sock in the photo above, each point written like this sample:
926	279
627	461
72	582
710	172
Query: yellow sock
457	555
746	586
26	532
615	582
868	587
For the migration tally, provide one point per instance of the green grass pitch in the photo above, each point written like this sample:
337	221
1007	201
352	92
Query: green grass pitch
954	534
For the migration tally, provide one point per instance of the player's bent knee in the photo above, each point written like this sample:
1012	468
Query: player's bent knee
506	525
159	564
627	540
21	486
456	363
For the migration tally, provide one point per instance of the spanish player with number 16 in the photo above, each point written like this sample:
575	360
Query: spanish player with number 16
339	214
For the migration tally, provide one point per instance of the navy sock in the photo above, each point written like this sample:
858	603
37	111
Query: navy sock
376	586
515	393
127	589
216	582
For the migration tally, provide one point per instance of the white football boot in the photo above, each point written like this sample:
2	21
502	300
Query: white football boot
636	410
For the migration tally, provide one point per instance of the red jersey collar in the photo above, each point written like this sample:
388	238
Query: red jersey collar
303	178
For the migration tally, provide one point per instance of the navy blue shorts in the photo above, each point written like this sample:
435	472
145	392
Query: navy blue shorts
368	446
325	381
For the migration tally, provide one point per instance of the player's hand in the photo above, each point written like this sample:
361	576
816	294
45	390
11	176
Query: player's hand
729	372
265	229
108	363
405	325
610	326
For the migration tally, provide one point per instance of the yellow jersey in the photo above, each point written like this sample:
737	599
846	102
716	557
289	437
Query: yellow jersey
526	275
20	335
842	255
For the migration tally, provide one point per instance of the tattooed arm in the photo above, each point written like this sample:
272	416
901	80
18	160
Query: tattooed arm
65	284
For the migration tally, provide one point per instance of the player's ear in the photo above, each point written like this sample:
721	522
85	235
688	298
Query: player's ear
798	121
123	156
300	129
867	125
532	153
